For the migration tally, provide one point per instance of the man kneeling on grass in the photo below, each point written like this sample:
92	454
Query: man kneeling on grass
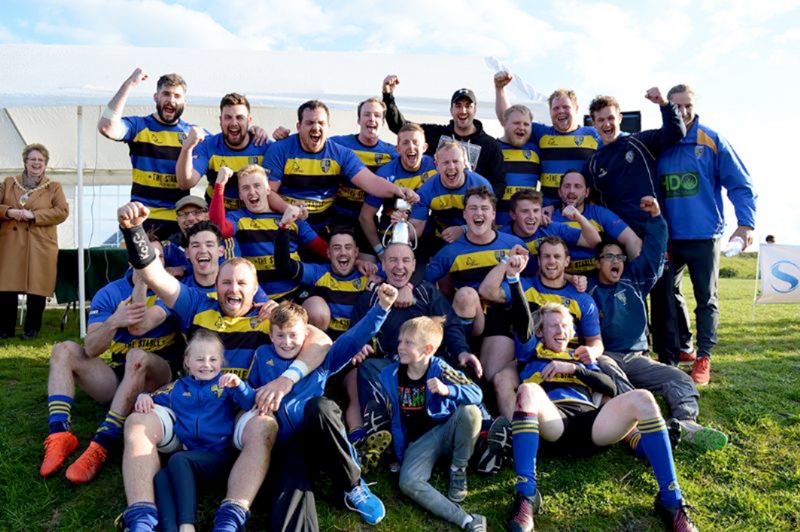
555	400
433	412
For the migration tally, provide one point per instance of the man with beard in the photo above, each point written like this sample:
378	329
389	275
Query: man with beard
573	191
692	175
622	172
155	142
442	198
411	170
563	145
520	157
255	227
550	285
483	151
242	326
308	169
234	147
371	151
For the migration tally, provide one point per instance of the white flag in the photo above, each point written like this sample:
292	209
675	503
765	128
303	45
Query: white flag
780	273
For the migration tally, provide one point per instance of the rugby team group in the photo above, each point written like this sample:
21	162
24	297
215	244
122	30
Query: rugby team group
341	304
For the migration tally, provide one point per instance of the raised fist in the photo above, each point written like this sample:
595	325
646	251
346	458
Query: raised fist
389	83
502	78
654	95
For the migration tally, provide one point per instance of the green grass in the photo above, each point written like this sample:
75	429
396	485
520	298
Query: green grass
753	484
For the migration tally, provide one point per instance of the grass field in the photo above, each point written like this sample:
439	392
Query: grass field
753	484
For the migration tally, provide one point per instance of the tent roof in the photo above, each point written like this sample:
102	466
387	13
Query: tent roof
83	75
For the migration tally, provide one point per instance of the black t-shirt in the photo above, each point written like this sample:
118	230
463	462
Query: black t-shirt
411	397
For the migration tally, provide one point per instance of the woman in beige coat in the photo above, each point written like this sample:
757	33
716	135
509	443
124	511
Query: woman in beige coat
30	208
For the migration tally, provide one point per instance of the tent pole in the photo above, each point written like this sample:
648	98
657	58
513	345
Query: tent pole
79	212
755	284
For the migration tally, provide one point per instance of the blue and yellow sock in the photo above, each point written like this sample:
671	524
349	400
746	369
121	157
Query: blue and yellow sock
632	440
231	516
525	444
58	418
141	517
110	431
655	444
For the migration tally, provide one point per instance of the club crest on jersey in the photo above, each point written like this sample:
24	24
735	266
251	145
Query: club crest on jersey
220	323
629	156
578	140
154	139
216	390
471	261
253	160
527	154
622	297
182	137
254	321
698	151
295	167
357	283
325	164
378	158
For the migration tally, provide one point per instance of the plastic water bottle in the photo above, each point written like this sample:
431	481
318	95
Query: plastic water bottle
734	247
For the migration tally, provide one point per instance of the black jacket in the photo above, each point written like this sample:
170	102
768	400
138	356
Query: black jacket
490	161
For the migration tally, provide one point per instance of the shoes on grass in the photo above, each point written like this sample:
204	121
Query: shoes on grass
88	465
457	489
701	371
371	448
57	447
478	524
524	510
687	358
498	444
362	501
677	518
704	438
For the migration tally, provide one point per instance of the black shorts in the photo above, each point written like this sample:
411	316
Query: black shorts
498	322
576	440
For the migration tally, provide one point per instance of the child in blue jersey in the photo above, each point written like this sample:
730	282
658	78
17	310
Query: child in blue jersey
198	416
255	227
555	404
433	410
311	433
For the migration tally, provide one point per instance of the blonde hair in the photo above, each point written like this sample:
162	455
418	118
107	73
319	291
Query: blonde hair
288	314
558	93
205	335
425	329
253	169
551	307
517	108
35	147
239	261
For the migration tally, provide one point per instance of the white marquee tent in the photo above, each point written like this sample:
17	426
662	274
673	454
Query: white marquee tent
55	94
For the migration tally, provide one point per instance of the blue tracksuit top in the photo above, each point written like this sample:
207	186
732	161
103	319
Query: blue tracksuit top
692	174
205	413
267	365
462	392
622	172
623	312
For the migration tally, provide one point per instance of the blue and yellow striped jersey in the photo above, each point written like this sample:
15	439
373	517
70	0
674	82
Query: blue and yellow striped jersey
395	173
349	197
521	167
339	292
468	263
560	152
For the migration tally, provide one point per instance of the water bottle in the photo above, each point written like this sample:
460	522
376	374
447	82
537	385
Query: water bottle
734	247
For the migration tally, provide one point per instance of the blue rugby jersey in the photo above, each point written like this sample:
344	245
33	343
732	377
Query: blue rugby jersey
521	166
154	149
468	263
606	222
340	293
312	178
395	173
446	205
212	154
164	340
256	233
564	388
349	197
560	152
205	412
568	234
267	365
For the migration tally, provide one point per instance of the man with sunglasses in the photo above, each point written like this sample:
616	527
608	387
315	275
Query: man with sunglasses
619	291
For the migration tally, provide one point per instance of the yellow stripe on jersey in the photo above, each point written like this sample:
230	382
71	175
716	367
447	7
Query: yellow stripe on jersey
516	155
267	262
550	180
339	324
170	139
534	296
576	225
568	141
511	190
234	162
146	344
414	182
314	206
262	224
558	377
336	285
476	259
371	158
162	213
213	320
300	166
447	201
704	140
154	179
350	193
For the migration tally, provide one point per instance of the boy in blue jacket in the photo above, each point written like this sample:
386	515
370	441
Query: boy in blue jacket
311	434
198	414
433	413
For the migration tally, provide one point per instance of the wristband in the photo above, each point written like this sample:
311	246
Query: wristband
140	254
465	228
111	115
296	371
379	249
512	278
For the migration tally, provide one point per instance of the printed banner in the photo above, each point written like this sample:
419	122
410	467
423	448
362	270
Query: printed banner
780	273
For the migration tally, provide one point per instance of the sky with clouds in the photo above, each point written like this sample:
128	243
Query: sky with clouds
742	57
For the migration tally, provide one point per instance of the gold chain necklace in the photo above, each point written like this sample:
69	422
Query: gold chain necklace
26	192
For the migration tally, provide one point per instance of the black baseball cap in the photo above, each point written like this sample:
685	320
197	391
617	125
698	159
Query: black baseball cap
463	93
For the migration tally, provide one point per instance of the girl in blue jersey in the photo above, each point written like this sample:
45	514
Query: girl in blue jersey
198	415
